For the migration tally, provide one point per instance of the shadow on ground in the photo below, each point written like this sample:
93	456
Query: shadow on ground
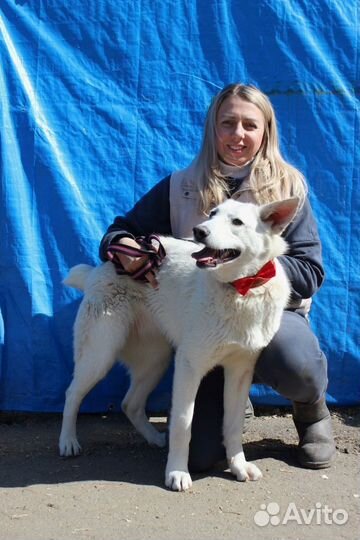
113	452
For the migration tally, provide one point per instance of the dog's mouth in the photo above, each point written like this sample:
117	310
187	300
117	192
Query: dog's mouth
209	258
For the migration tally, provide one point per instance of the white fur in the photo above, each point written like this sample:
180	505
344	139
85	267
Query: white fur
197	312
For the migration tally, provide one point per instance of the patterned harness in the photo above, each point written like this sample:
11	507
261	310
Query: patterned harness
155	256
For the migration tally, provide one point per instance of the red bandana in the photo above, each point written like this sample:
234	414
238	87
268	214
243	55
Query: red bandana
243	285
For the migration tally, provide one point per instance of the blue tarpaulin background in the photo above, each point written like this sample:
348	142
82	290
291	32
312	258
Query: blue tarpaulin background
101	99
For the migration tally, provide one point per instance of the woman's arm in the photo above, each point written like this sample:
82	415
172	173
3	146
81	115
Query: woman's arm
303	260
151	214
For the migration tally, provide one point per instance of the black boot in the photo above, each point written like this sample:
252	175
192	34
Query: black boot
316	448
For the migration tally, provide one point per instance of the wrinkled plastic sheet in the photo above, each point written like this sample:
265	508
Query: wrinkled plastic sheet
101	99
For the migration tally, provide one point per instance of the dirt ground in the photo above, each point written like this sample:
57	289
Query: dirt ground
115	489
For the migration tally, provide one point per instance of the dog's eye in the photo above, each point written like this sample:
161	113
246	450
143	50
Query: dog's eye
237	221
212	213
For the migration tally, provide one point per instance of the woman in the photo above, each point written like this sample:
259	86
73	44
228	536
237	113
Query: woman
240	158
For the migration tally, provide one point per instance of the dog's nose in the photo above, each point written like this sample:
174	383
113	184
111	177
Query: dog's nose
200	233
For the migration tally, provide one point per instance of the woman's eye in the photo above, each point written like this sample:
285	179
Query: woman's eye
237	221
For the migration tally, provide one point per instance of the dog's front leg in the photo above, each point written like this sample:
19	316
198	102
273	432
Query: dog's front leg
186	383
238	377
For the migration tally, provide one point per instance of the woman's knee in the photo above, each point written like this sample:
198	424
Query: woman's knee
293	363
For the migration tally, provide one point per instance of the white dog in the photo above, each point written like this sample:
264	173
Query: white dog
204	310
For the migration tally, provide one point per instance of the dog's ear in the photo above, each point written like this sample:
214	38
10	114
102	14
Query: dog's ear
279	214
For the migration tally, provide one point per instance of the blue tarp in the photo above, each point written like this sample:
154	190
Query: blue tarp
101	99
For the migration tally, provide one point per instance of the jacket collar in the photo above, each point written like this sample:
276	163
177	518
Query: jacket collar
237	173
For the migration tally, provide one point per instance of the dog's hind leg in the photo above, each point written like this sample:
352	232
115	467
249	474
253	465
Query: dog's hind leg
238	377
148	359
95	354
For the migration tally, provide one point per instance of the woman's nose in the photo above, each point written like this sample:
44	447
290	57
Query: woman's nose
239	130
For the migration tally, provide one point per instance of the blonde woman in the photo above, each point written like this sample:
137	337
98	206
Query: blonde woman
240	158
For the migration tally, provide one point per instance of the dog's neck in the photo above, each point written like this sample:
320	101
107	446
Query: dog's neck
244	284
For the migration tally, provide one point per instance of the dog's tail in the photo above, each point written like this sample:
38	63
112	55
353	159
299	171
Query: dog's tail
77	276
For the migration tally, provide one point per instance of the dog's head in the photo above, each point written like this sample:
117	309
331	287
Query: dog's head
240	238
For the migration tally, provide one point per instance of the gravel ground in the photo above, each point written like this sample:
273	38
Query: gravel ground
115	489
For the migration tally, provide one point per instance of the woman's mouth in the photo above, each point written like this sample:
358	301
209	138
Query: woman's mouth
237	149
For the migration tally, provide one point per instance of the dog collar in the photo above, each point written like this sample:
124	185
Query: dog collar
243	285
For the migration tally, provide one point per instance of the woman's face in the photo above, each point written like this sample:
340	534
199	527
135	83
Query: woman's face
240	127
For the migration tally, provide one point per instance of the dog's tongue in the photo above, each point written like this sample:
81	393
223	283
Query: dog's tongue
205	257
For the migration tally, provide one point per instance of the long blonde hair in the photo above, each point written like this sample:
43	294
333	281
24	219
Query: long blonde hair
271	177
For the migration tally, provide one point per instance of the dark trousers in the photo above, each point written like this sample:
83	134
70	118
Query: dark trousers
292	364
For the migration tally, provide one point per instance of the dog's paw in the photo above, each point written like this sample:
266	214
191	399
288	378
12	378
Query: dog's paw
178	480
69	447
246	471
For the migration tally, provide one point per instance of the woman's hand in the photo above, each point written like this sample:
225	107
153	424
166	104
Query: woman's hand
132	264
